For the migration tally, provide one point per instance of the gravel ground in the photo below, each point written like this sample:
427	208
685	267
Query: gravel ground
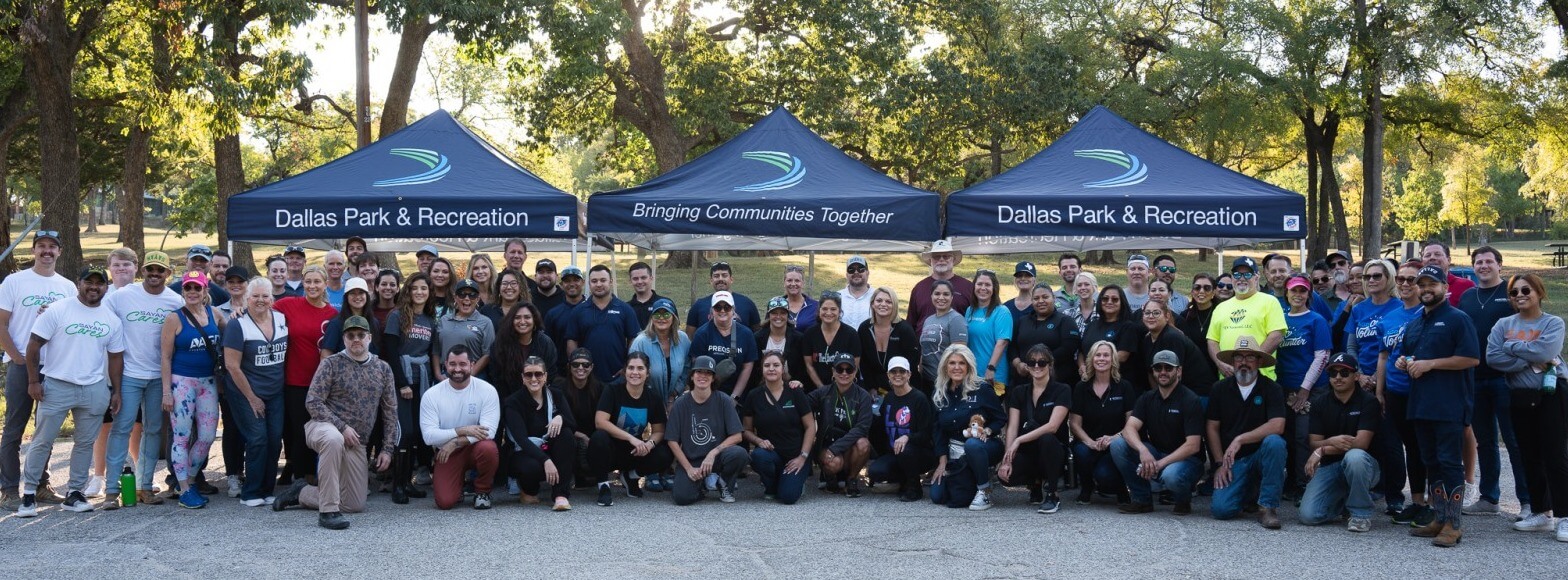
823	536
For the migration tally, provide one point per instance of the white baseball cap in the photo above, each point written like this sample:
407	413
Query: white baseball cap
898	362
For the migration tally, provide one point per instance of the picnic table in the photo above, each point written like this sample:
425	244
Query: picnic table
1559	254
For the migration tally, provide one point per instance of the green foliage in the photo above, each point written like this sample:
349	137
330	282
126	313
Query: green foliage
1419	205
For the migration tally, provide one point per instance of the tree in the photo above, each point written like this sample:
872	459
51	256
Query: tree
1467	191
1419	204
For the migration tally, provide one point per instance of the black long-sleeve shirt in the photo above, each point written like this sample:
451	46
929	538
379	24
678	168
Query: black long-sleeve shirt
525	417
842	418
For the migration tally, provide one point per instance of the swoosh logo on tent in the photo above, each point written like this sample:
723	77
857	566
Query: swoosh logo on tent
1136	170
794	170
438	164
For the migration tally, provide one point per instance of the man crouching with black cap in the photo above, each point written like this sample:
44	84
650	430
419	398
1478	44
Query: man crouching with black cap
1342	471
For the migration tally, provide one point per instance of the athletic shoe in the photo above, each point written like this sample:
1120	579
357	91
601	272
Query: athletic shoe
289	497
655	483
46	494
1479	507
9	501
726	495
28	508
1036	494
234	486
111	502
633	489
852	489
982	501
1085	497
94	486
1534	523
1562	530
422	476
192	500
76	502
1427	516
204	488
1408	515
1524	512
606	498
1393	509
481	501
256	502
562	505
148	497
332	521
1359	525
269	500
1430	530
1050	504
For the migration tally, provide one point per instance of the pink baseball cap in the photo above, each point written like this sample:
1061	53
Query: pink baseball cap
1298	282
194	277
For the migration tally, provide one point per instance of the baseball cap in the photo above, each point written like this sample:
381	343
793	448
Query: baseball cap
356	322
898	362
571	271
237	272
352	239
544	264
581	354
856	261
836	359
703	363
199	251
1337	253
725	297
1165	357
91	271
778	302
1244	262
664	304
428	249
1137	258
355	283
1434	273
294	250
465	284
1298	281
719	266
1344	359
194	277
1023	268
156	258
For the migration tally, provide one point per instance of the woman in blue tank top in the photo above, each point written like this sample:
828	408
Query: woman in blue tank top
191	340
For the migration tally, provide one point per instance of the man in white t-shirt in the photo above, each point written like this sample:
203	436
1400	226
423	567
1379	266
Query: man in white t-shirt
23	297
856	295
458	418
74	362
141	310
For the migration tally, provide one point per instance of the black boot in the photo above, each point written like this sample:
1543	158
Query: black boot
400	476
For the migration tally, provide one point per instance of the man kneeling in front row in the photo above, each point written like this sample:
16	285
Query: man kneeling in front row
348	390
1343	473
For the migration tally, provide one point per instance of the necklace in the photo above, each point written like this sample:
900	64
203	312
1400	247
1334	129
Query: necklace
1489	296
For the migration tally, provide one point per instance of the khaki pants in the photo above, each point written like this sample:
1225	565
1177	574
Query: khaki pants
340	473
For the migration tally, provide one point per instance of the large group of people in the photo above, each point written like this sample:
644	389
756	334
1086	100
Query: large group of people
1339	385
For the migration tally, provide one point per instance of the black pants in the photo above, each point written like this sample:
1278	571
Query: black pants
903	467
1542	429
301	458
233	440
529	471
1039	462
1415	467
606	453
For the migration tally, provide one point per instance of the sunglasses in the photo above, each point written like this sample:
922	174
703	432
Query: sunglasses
1164	368
582	365
1371	277
662	315
1323	280
1224	286
1037	363
843	370
856	269
467	295
723	308
1167	269
1338	264
1405	279
155	270
1110	299
1520	291
1340	373
830	294
1202	287
190	287
534	375
1243	275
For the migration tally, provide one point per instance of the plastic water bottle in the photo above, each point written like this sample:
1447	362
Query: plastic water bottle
127	487
1549	383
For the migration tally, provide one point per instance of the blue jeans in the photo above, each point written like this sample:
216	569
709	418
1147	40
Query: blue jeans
1493	418
1344	485
1177	478
146	396
1267	465
263	442
787	487
979	456
1096	469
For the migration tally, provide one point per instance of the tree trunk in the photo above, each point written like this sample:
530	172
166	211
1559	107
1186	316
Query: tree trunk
230	168
1329	184
1372	132
92	209
9	264
50	47
1318	215
405	70
138	150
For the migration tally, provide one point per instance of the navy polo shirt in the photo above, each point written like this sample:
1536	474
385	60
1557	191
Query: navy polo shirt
606	332
1441	395
745	311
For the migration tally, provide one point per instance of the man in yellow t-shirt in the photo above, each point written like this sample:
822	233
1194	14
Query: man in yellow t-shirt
1248	314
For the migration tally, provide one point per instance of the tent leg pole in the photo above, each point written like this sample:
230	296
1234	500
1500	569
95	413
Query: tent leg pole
574	252
811	270
1305	267
588	261
1219	262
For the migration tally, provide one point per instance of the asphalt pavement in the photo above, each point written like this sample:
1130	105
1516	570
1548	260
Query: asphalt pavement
823	536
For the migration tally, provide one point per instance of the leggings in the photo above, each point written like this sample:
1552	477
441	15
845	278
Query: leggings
301	458
1415	468
195	413
1039	462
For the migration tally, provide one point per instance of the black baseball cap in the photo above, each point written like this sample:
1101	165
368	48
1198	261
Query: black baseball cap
1344	359
544	265
236	272
1244	262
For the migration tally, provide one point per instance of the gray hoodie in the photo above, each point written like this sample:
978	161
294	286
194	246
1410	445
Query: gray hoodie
1519	347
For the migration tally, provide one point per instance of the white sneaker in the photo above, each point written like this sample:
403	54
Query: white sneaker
269	499
257	502
94	486
1535	523
982	501
29	507
1524	512
234	486
1562	530
1480	507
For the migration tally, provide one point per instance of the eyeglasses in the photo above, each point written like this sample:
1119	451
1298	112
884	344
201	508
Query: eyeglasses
1520	291
1147	313
582	365
1202	287
356	336
1167	269
1037	362
1322	280
511	284
534	375
1110	298
1405	279
843	370
1340	373
1371	277
1243	275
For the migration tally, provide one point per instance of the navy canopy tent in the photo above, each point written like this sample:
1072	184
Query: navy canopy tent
433	182
776	186
1109	185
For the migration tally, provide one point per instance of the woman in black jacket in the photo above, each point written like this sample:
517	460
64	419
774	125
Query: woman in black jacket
779	335
1194	322
540	425
883	337
1045	325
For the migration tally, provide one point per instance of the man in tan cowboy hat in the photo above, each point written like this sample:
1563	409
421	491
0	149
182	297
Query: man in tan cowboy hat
1249	314
943	260
1246	416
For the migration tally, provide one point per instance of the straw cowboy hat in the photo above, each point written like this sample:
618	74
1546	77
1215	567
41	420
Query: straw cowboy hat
942	246
1247	344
